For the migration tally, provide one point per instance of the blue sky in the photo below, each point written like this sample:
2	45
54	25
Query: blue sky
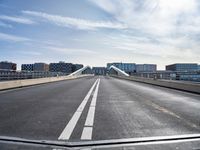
94	32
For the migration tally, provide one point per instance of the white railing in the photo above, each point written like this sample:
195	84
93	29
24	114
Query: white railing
118	71
80	71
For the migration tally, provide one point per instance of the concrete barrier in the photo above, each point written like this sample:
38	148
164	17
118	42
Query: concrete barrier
28	82
184	86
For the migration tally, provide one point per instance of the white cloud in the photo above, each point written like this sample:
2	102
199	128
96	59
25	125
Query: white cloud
161	31
30	53
107	5
2	24
16	19
69	50
166	48
75	22
155	17
12	38
164	29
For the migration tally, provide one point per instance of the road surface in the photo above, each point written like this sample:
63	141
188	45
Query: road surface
97	108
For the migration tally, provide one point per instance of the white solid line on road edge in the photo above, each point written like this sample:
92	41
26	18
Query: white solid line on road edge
66	133
87	130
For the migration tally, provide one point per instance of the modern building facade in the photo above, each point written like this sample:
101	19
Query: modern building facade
146	68
4	65
76	67
27	67
127	67
99	71
35	67
182	67
40	67
87	71
60	67
52	67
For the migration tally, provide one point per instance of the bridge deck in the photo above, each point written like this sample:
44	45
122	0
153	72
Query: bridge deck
120	109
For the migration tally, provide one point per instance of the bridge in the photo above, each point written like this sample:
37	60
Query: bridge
84	107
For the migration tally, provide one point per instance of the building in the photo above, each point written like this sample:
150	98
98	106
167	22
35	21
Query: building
160	74
87	71
60	67
127	67
27	67
182	67
35	67
146	68
40	67
76	67
199	67
99	70
4	65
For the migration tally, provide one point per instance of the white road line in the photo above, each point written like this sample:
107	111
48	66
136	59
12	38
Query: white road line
94	98
90	117
66	133
86	135
87	130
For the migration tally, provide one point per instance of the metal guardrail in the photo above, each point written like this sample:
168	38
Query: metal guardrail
6	75
27	82
183	86
167	75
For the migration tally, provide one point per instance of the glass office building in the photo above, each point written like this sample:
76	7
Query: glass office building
146	68
40	67
182	67
4	65
27	67
76	67
127	67
60	67
99	70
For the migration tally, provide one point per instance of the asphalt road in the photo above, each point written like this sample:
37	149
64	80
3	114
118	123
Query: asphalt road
97	108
